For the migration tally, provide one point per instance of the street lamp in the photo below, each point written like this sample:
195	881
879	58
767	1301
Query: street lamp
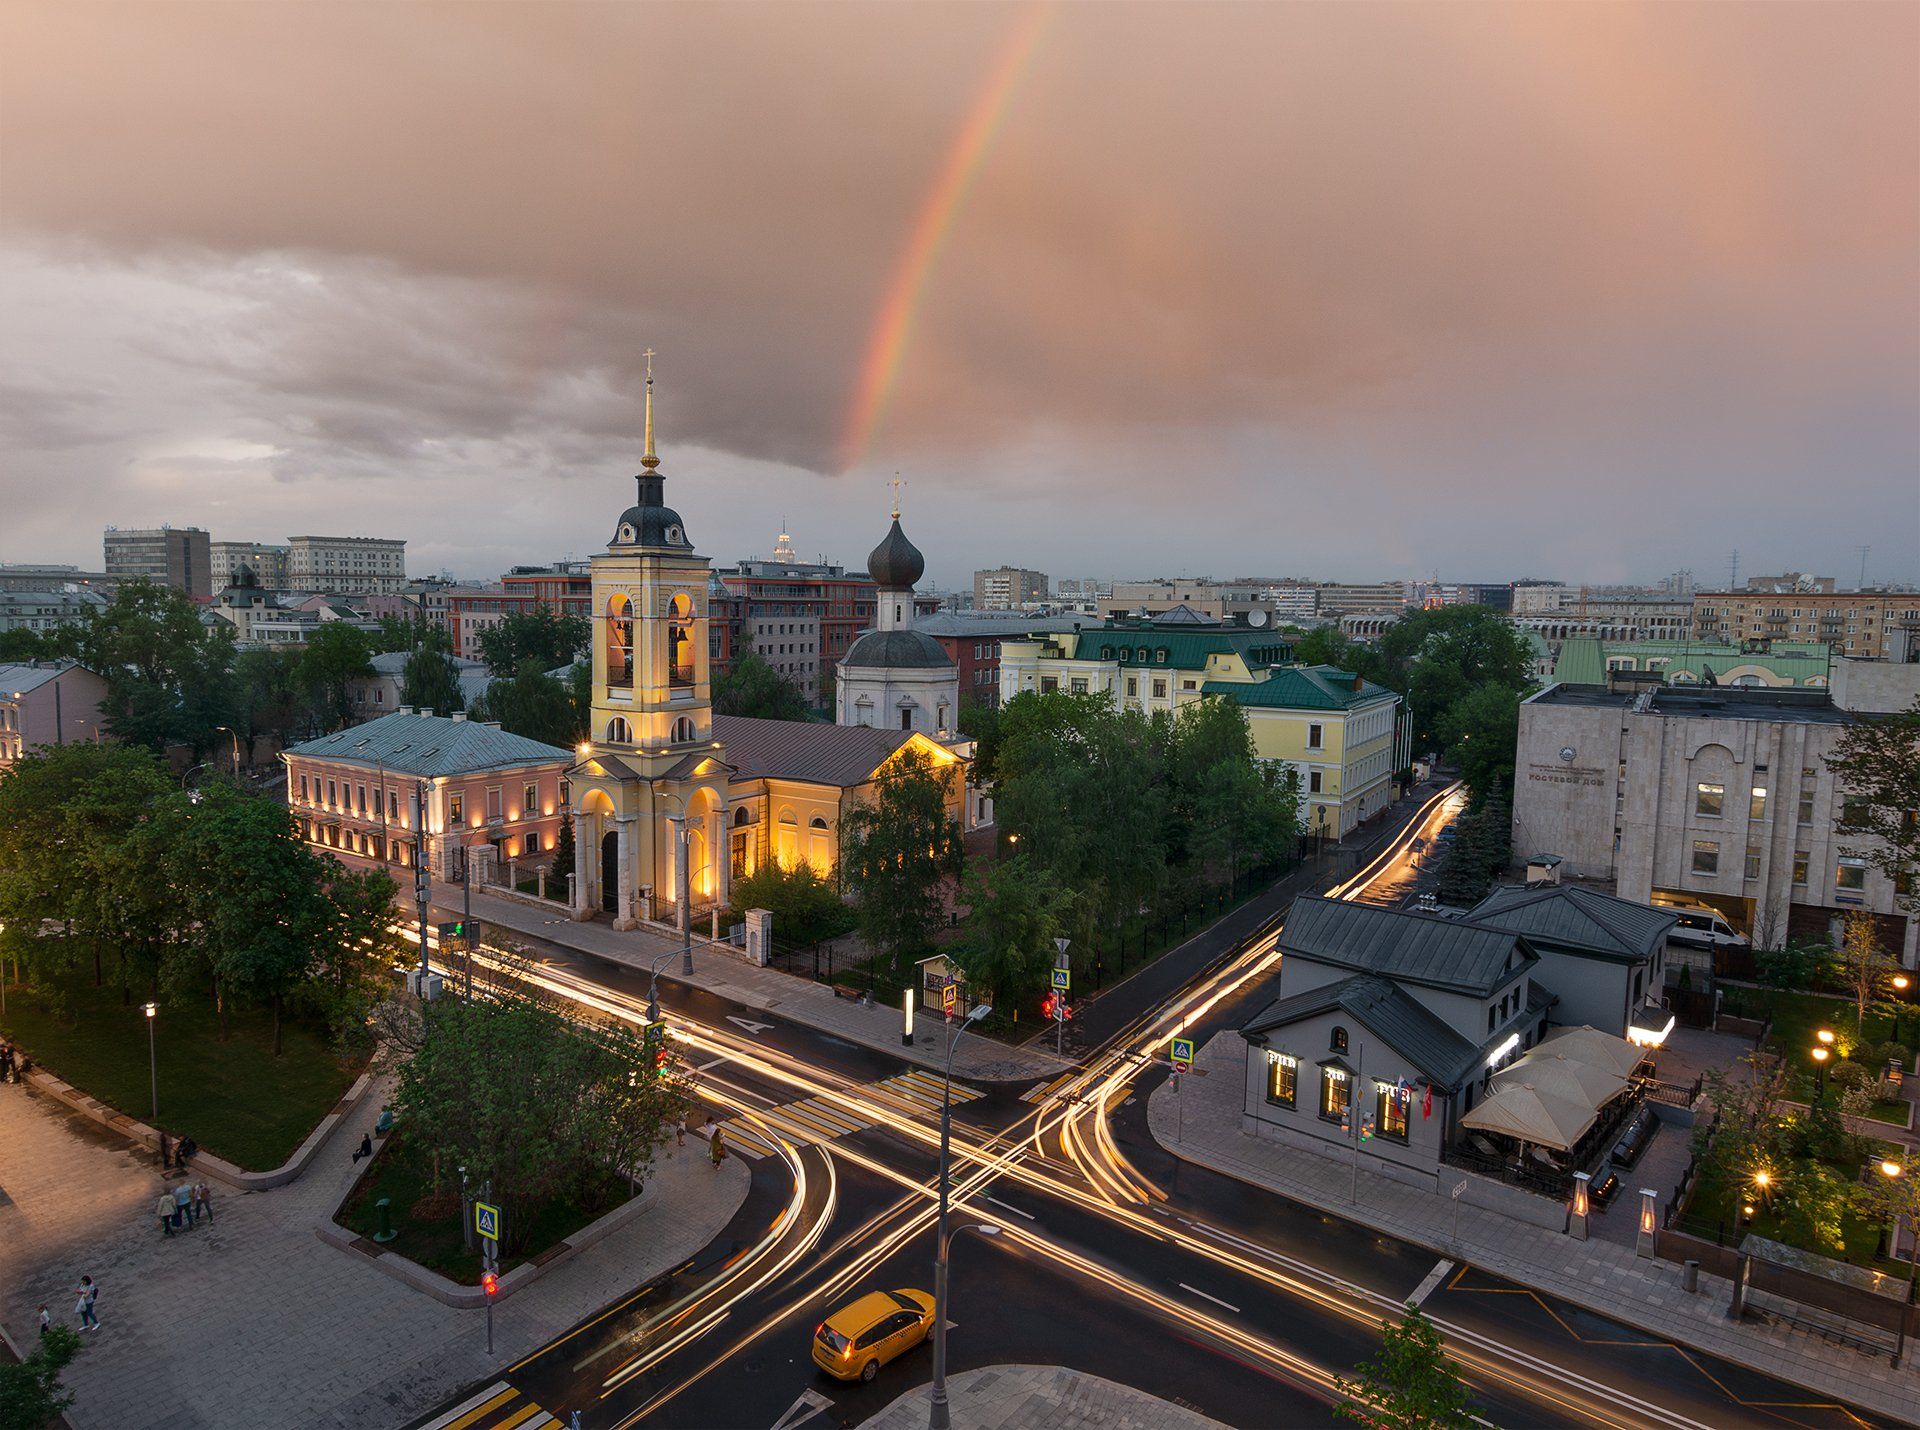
1820	1056
153	1064
228	729
937	1414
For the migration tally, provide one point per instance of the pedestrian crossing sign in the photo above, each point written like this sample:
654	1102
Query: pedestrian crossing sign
1063	979
949	995
1183	1053
486	1220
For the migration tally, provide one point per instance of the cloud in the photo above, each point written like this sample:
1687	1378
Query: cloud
1345	289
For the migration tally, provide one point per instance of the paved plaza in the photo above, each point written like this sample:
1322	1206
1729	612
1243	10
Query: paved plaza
1040	1397
1610	1279
254	1321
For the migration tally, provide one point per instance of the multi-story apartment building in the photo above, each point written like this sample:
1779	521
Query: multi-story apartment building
1370	598
46	610
1713	797
46	703
270	564
469	612
1008	588
1534	597
841	603
1344	735
33	576
176	556
346	565
1856	623
972	640
493	795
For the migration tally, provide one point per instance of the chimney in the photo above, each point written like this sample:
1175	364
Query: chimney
459	716
426	712
404	710
1359	684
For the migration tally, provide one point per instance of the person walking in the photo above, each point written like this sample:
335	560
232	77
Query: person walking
165	1210
203	1200
88	1293
680	1130
182	1204
46	1320
716	1149
187	1147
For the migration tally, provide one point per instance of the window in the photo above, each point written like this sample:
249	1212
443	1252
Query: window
303	792
1757	803
1313	782
1336	1093
619	732
682	730
362	800
529	801
1078	685
1853	811
1390	1110
1706	856
1800	867
906	718
1338	1040
1806	797
333	796
1850	875
1133	686
378	807
1493	1018
1282	1075
531	844
1313	737
1189	685
1753	861
1048	684
1159	690
1708	798
1160	656
456	809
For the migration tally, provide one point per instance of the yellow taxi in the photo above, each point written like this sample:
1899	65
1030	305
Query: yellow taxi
856	1340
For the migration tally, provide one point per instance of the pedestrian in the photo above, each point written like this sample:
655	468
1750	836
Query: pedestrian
680	1130
46	1320
182	1202
187	1148
203	1199
165	1210
365	1149
716	1149
88	1293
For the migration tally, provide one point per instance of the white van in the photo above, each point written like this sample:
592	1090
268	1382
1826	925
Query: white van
1703	928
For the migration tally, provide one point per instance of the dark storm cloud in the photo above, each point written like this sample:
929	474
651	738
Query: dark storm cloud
1386	287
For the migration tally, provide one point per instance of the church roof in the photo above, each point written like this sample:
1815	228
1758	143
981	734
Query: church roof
896	563
840	755
897	650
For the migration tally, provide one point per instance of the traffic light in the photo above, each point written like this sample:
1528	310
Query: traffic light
1366	1128
490	1284
653	1040
453	934
1054	1006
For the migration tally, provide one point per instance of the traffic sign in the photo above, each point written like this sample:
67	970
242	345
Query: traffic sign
1063	979
486	1220
949	995
1183	1053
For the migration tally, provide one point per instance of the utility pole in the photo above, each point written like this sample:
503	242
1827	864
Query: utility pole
1733	570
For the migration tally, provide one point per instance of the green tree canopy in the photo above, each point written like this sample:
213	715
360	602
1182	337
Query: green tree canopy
401	633
1876	762
544	635
31	1396
898	851
335	655
1478	734
430	680
1413	1385
1015	912
20	646
167	671
534	704
754	688
268	701
805	905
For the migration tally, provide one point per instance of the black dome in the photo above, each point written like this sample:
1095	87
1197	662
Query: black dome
650	526
896	564
900	650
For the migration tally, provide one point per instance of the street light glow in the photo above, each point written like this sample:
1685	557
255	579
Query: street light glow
152	1008
1891	1168
1825	1035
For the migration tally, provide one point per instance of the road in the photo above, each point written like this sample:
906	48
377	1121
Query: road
1108	1256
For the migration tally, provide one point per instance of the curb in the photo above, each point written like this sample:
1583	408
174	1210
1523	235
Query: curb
218	1168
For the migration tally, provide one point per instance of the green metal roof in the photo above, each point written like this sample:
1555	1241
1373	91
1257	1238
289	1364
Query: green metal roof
429	745
1301	687
1185	649
1583	659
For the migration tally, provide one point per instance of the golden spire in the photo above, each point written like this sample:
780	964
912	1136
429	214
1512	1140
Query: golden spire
651	459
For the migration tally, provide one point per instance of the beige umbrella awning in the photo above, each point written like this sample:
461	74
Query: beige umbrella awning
1532	1116
1560	1076
1590	1045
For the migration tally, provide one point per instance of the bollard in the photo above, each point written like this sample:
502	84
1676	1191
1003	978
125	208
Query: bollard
1692	1282
383	1220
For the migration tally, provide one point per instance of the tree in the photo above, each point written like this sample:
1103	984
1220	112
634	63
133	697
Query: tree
267	696
563	855
1225	806
580	688
167	671
21	646
336	655
1478	735
401	633
980	723
31	1395
359	946
1481	848
531	703
1861	968
898	850
1876	762
1015	911
754	688
430	680
805	905
548	637
1414	1385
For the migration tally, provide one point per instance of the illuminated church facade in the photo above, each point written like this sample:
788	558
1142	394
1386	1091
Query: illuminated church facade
671	803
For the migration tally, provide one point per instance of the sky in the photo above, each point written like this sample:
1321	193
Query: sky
1472	290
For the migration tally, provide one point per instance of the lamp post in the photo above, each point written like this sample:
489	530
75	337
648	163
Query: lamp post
229	732
937	1413
153	1064
1820	1056
1901	983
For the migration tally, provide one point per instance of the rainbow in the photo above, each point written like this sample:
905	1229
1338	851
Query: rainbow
893	325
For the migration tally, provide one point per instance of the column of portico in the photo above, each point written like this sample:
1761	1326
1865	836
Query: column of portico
586	844
623	832
682	875
719	853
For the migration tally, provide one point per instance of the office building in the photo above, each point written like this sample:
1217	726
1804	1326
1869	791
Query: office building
270	564
346	565
176	556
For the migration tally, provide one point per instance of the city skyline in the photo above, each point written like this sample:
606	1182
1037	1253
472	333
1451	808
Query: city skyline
1590	293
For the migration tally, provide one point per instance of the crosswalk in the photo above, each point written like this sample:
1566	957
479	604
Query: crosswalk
499	1407
1042	1091
824	1118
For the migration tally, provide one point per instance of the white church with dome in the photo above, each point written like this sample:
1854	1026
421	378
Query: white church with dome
894	677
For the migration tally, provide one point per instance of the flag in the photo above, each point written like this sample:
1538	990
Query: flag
1426	1103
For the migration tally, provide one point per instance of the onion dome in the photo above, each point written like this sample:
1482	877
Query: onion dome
896	563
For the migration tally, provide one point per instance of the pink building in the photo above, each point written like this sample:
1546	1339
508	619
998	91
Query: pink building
355	793
48	702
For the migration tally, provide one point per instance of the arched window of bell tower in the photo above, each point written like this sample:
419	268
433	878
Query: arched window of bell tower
620	641
680	642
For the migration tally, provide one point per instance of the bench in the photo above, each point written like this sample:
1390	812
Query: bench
847	990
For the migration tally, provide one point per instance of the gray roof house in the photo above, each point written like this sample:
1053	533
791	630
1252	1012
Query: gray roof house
1604	957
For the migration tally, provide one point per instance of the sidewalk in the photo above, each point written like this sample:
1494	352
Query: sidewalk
1040	1397
254	1320
1606	1278
722	970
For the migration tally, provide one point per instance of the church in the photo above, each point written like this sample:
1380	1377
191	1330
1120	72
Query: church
671	803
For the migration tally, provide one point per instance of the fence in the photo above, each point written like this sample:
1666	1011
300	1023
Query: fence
1529	1177
1676	1094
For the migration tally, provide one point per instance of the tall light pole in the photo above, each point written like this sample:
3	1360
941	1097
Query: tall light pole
236	749
938	1417
153	1064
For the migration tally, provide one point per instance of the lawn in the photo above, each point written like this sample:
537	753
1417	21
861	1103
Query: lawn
1797	1019
431	1235
1712	1203
236	1099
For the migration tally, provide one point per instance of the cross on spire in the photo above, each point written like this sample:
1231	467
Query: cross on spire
897	483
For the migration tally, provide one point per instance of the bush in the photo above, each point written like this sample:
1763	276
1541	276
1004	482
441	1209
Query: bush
806	907
1853	1074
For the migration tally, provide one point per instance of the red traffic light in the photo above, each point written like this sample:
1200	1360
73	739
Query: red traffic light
490	1284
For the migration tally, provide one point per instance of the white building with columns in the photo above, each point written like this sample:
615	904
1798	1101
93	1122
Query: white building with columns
671	802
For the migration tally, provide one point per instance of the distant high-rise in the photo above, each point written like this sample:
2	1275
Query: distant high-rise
176	556
346	565
269	564
1008	588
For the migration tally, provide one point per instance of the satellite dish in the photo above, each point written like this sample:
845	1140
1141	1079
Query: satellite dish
1256	617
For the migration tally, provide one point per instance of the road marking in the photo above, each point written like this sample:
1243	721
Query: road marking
810	1404
469	1409
752	1027
1434	1278
1205	1297
1015	1210
712	1063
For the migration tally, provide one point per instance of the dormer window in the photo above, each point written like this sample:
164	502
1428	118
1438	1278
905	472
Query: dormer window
627	532
675	537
